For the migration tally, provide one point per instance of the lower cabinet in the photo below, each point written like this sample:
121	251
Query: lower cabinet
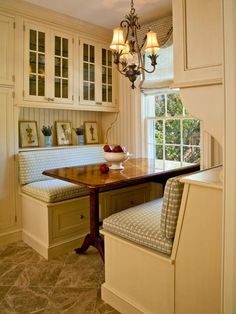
55	228
116	200
8	221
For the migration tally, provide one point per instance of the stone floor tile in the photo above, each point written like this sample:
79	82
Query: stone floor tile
39	274
27	300
18	254
9	272
3	292
72	301
91	258
74	277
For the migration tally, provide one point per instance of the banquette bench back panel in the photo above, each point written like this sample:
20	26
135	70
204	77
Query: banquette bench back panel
33	163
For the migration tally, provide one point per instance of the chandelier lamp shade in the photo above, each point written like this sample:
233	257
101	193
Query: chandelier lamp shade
128	53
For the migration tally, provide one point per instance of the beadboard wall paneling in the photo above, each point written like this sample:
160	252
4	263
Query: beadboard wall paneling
128	128
50	116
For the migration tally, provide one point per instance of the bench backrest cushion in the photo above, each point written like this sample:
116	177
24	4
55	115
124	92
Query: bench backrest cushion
33	163
171	205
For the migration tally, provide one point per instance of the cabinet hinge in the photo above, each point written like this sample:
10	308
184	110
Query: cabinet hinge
15	218
23	92
14	24
13	78
24	28
13	94
73	97
79	98
79	41
73	40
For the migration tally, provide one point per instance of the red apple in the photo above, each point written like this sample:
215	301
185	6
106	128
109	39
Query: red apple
117	149
104	168
107	148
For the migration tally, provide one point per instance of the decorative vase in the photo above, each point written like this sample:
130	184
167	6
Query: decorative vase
80	139
48	140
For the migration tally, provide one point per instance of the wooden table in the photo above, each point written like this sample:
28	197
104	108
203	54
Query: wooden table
136	171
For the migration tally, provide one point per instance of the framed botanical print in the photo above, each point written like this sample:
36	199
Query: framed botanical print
91	132
64	133
28	132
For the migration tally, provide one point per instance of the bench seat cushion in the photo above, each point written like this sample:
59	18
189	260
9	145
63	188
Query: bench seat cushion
51	191
141	224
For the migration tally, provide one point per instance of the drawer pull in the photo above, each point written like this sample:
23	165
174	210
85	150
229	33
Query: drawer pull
131	202
81	216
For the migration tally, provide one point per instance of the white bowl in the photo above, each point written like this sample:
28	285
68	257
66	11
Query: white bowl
116	159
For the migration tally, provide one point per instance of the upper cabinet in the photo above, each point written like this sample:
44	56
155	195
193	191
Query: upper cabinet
197	28
97	76
48	60
7	50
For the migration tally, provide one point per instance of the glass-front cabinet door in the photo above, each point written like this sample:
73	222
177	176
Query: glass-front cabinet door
35	63
48	65
96	75
88	72
62	72
107	76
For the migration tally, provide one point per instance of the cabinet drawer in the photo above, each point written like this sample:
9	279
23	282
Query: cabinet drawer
69	219
128	199
117	200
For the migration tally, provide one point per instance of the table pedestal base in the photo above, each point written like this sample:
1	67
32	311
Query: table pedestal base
97	242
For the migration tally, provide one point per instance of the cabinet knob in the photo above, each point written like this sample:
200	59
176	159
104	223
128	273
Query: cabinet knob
132	202
81	216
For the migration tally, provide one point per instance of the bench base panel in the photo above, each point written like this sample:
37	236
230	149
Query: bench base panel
137	277
55	228
49	252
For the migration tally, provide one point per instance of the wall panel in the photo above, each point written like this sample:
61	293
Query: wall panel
49	116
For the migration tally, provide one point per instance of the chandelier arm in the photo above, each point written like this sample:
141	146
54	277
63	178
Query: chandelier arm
147	71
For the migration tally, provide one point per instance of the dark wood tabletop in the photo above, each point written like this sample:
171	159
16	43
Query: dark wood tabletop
136	171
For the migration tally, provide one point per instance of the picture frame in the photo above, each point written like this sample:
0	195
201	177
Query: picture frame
64	133
28	134
91	132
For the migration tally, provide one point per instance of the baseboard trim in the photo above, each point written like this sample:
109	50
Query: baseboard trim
117	302
11	236
49	252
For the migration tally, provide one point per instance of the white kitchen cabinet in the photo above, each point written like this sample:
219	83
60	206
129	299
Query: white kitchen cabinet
7	174
48	62
197	29
97	76
116	200
7	28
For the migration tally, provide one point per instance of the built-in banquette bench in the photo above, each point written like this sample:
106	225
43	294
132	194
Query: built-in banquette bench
55	213
164	256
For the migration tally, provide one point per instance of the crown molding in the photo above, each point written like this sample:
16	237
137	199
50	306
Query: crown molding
28	10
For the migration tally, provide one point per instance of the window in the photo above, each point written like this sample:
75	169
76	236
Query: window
173	135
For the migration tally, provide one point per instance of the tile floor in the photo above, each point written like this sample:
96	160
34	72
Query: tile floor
67	284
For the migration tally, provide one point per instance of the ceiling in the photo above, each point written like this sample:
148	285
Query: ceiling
108	13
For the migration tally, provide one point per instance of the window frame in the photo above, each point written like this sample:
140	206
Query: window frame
152	118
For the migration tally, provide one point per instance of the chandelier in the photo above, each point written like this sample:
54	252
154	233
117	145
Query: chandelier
126	50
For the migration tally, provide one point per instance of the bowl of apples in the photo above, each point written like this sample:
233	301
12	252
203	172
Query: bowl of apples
116	155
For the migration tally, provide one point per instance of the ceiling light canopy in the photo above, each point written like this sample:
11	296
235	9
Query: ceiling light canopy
128	52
